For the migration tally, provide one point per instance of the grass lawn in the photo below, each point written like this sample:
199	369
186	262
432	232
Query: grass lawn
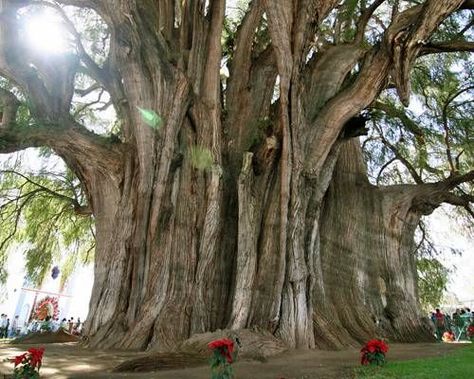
458	365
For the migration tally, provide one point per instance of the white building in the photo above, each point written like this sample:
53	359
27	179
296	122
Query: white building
19	297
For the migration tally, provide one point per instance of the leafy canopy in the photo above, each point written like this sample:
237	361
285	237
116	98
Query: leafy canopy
40	213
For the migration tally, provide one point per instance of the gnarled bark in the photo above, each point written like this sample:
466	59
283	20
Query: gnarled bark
368	258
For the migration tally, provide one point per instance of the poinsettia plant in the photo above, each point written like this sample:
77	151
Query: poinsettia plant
27	365
470	332
222	358
373	353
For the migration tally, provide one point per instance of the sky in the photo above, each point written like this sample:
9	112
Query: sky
447	235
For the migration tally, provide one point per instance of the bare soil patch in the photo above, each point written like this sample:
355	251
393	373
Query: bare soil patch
69	360
45	337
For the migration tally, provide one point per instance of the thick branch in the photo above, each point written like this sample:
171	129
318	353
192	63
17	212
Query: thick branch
446	47
49	86
407	35
68	139
280	20
211	79
364	19
456	180
103	75
457	200
326	74
467	4
401	44
328	124
242	57
430	195
8	107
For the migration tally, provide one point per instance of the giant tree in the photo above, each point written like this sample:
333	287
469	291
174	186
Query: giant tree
418	159
208	198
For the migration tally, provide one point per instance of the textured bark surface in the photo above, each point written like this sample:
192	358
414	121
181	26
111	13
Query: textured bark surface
246	242
368	258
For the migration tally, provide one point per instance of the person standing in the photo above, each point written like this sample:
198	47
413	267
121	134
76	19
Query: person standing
5	334
71	325
466	320
3	325
458	323
440	324
15	331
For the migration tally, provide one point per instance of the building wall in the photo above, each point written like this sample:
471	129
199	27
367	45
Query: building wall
20	302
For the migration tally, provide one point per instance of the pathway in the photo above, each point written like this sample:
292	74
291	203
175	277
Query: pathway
68	360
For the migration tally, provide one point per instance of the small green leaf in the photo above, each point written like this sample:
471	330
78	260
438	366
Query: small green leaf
151	118
201	158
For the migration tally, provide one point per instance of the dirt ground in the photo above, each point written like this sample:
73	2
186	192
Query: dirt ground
68	360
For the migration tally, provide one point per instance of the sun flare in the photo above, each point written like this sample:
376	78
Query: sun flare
45	33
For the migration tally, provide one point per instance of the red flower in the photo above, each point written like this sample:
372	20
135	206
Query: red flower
36	355
225	347
376	346
372	347
470	330
18	359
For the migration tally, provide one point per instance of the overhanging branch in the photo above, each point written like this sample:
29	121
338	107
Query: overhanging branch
408	33
67	138
446	47
78	208
456	180
467	4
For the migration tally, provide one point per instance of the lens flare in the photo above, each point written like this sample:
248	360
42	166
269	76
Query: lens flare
45	33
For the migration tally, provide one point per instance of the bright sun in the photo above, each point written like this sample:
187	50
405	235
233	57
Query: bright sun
45	33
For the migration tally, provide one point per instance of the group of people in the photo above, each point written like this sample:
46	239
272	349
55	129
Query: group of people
454	327
14	329
7	330
52	324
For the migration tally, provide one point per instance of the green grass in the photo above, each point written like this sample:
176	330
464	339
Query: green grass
458	365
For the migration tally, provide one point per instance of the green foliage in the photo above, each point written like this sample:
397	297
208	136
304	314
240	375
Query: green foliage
432	281
151	118
350	7
37	213
228	37
37	264
435	136
94	33
220	368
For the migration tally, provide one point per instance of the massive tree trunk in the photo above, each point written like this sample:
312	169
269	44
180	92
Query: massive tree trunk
368	257
183	249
